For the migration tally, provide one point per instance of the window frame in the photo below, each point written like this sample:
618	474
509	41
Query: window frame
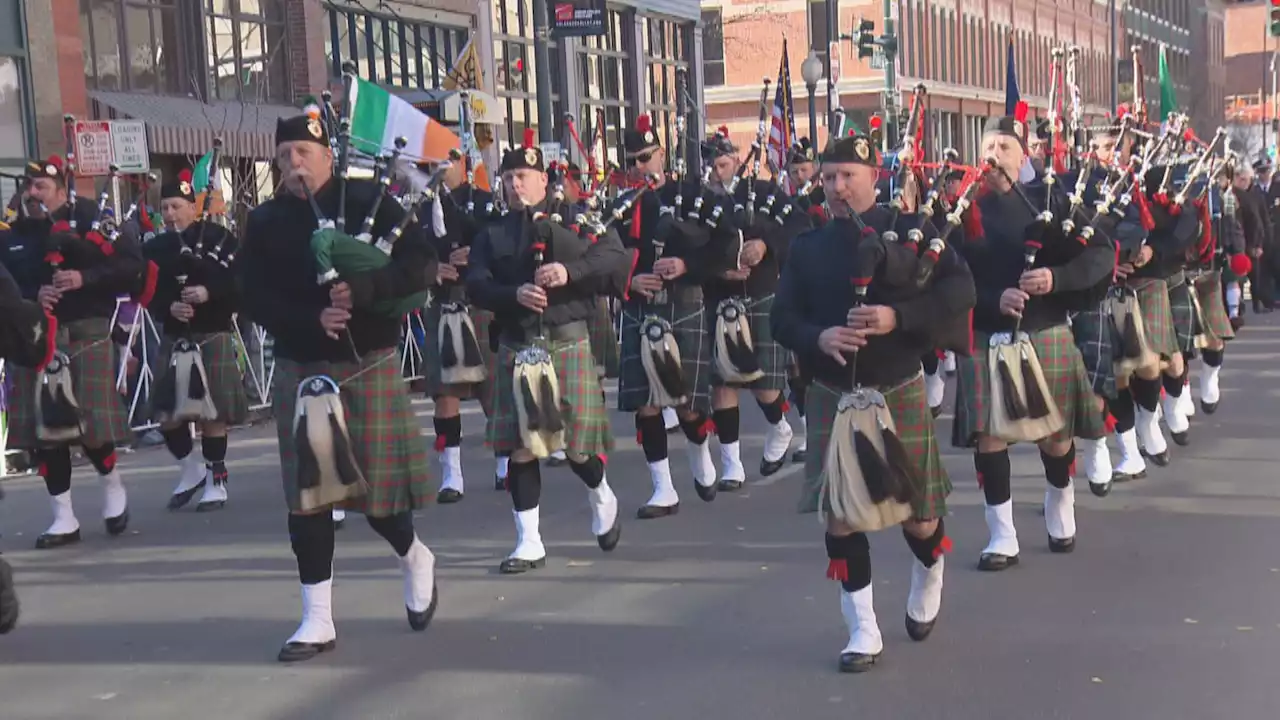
178	70
522	37
19	54
442	42
716	28
661	100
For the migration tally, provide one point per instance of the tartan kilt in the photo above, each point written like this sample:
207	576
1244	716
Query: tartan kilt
604	339
1157	315
93	378
1213	308
1095	336
586	419
1064	372
221	365
687	316
915	427
774	359
1183	311
385	436
432	386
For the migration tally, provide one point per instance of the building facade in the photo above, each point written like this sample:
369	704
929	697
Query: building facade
956	48
198	69
1250	49
17	114
1194	32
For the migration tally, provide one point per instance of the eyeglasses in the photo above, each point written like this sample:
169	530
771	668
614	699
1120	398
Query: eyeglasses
643	158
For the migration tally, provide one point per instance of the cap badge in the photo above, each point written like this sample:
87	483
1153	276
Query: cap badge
531	156
184	187
862	148
313	127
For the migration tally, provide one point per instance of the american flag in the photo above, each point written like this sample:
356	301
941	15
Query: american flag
783	133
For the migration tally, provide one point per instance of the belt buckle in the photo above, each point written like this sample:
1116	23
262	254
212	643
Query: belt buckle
861	398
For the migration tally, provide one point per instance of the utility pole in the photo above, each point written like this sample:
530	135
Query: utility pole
542	71
1115	61
889	45
833	49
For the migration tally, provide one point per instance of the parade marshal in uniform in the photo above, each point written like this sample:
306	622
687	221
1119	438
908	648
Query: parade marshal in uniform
334	331
541	281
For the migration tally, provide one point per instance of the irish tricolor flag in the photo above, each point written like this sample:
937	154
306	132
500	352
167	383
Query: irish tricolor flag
378	118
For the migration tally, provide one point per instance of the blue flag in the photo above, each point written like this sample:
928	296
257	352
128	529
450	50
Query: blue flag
1011	95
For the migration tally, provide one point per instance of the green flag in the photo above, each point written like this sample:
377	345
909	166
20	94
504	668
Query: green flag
1168	99
200	173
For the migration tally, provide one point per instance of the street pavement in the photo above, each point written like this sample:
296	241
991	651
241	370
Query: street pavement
1169	608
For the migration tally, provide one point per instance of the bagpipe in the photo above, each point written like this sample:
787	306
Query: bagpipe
867	477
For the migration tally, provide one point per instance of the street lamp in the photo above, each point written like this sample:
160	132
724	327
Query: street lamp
811	71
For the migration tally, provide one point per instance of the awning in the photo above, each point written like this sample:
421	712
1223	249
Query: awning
186	126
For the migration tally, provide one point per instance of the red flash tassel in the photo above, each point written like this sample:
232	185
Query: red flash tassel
604	459
440	441
838	570
786	404
982	482
1110	421
1144	211
944	547
109	462
708	428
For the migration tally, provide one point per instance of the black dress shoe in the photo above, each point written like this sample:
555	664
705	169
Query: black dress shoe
448	496
995	562
300	651
418	621
653	512
1062	545
799	456
706	493
515	566
1119	477
8	599
937	411
919	631
1183	439
728	485
852	662
177	501
609	540
118	524
1101	489
1161	459
48	541
1208	407
769	467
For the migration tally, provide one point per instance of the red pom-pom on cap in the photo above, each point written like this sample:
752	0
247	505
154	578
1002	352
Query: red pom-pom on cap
723	131
1241	265
644	123
528	137
55	161
184	176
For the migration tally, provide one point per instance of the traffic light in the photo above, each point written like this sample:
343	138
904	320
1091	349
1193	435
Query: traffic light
1273	17
867	35
877	129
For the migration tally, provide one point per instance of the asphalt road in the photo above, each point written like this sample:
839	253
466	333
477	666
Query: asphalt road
1169	608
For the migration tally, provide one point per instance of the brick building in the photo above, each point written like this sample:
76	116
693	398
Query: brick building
1249	51
1195	33
957	48
196	69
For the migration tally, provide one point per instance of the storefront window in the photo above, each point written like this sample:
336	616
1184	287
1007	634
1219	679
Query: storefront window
516	80
133	46
666	51
392	50
603	68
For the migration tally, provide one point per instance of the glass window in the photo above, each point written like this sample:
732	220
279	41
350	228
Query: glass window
713	48
603	67
13	105
132	45
667	55
246	50
516	79
818	32
391	50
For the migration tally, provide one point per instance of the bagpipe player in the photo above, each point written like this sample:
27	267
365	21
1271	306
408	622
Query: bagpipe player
79	278
196	290
747	288
461	215
847	341
541	280
1029	276
334	330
